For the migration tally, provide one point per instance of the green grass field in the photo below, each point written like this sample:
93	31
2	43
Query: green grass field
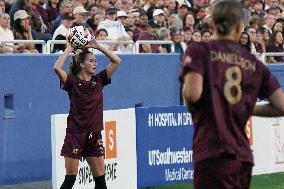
269	181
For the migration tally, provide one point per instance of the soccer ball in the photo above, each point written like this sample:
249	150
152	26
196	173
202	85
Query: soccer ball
79	36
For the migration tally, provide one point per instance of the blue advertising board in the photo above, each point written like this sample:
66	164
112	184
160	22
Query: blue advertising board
164	145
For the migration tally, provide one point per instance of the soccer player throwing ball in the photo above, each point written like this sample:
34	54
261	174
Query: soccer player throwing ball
85	120
221	83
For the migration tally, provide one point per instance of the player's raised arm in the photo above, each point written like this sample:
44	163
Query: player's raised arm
59	64
274	108
114	59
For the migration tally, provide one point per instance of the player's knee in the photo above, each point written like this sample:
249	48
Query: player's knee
71	171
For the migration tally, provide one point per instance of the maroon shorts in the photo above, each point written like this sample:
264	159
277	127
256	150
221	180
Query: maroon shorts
222	173
77	145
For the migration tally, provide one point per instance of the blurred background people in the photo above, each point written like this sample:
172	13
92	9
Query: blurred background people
62	31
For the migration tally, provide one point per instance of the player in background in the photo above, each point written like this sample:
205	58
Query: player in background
85	120
221	83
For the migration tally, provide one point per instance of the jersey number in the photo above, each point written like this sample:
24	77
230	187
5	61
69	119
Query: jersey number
234	78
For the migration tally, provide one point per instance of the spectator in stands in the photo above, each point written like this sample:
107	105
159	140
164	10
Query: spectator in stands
19	5
94	9
278	26
254	22
127	4
8	5
159	16
176	38
76	3
205	35
37	6
281	4
247	11
137	4
259	9
6	33
103	5
160	4
2	6
84	3
39	28
101	34
269	22
181	13
130	21
23	30
118	4
274	10
171	19
62	31
266	36
189	21
142	26
252	35
171	5
135	15
121	16
81	16
196	36
52	11
115	29
275	45
260	43
245	40
65	7
94	21
149	34
205	25
150	7
165	35
187	35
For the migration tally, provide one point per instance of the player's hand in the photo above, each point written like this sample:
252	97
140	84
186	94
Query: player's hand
69	47
93	44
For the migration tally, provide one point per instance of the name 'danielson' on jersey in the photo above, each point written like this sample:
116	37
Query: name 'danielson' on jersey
232	58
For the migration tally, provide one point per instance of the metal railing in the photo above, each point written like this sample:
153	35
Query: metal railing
41	42
154	42
50	43
134	48
266	54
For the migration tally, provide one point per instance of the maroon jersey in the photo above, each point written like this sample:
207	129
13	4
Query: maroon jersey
86	102
233	79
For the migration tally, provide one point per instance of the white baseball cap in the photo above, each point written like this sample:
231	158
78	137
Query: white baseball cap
21	14
80	10
158	12
121	13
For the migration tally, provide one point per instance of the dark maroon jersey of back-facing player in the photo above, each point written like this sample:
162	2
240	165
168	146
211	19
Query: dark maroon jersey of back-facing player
86	102
233	79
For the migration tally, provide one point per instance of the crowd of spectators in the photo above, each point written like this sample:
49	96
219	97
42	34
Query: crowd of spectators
180	21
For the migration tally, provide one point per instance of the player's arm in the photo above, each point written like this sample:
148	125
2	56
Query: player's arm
273	109
59	64
192	88
114	59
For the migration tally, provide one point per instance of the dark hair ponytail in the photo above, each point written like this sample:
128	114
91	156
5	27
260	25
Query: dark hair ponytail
226	14
77	59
